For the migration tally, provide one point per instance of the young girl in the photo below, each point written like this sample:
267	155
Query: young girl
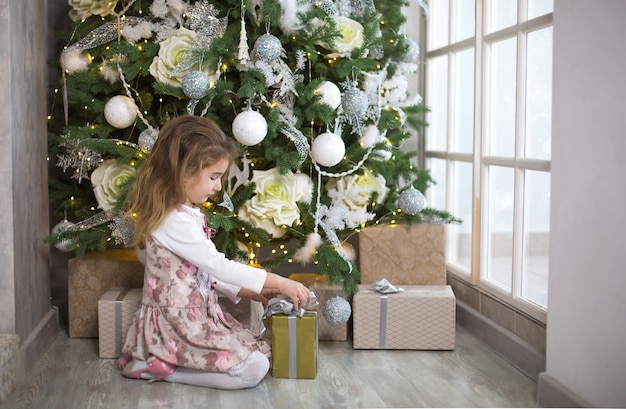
180	333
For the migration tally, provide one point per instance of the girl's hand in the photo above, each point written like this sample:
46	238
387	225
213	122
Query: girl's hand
299	294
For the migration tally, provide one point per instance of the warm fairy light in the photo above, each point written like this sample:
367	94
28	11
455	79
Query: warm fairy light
273	251
224	67
49	117
140	48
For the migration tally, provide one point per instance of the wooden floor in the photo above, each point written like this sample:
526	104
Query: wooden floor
71	375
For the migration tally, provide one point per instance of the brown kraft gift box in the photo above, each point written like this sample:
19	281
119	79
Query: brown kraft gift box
403	255
89	277
420	317
116	310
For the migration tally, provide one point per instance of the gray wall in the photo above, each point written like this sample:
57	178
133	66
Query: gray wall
586	339
24	259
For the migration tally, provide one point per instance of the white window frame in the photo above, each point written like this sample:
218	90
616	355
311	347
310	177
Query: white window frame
479	159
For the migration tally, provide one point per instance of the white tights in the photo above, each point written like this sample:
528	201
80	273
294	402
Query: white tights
248	374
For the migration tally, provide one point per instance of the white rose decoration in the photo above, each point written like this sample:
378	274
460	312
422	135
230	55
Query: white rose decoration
107	180
356	191
275	202
351	37
82	9
171	51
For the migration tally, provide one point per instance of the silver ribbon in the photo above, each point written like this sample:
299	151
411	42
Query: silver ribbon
382	331
281	304
291	327
383	286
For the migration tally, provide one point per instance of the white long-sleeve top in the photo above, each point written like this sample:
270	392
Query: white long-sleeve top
182	232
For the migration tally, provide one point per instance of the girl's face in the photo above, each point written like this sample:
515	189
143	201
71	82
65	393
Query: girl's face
201	186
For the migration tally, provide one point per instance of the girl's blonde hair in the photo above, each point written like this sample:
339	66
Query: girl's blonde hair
186	145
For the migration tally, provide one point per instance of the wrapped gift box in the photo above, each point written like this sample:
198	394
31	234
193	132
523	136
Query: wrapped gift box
9	350
248	312
116	310
324	291
294	345
89	277
403	255
420	317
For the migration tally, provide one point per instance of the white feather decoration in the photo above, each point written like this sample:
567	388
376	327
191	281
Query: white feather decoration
306	252
289	20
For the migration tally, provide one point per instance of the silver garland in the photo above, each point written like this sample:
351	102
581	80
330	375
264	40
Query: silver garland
106	33
122	229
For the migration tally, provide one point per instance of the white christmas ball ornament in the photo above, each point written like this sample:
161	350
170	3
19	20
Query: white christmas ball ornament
65	244
337	311
330	94
120	112
74	60
249	128
328	149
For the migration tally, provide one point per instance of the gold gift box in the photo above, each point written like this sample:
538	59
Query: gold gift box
294	345
116	310
404	255
89	277
324	291
420	317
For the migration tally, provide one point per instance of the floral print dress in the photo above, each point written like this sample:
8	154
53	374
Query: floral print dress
180	320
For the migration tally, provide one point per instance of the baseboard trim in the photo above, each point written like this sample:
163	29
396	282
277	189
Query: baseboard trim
553	394
37	342
519	353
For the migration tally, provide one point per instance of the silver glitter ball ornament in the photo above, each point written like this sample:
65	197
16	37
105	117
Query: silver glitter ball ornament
267	48
411	201
196	84
337	311
147	138
412	52
354	102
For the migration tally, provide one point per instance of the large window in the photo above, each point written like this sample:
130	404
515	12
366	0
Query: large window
489	85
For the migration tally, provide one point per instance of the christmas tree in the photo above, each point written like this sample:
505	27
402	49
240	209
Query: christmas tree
315	92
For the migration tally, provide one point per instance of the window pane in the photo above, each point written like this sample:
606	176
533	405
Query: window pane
464	19
463	132
502	98
536	237
438	29
437	96
461	253
539	94
538	8
503	14
436	194
499	232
